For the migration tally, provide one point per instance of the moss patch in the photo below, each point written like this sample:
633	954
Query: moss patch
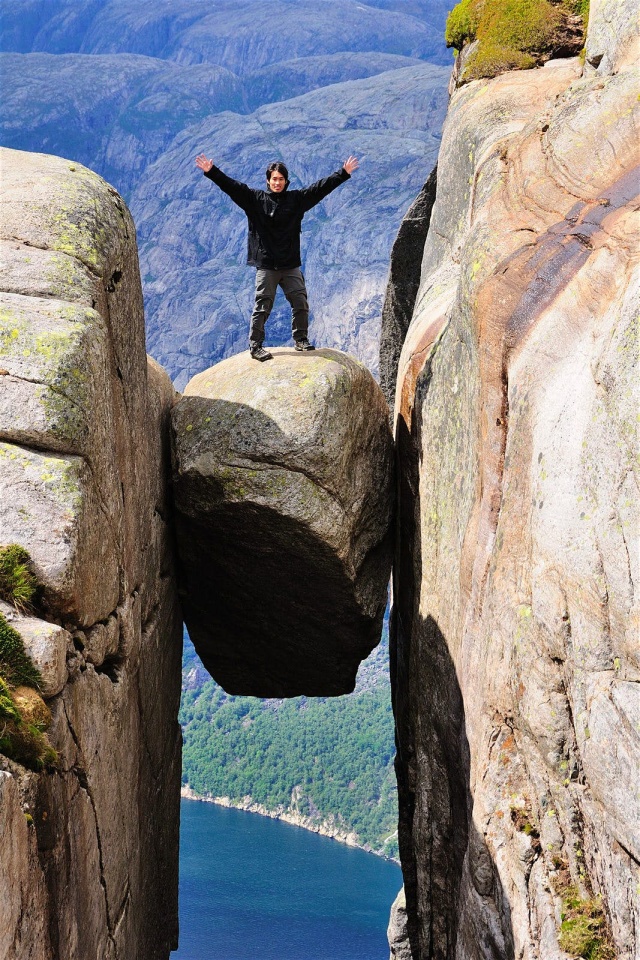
18	583
24	743
515	34
16	668
583	932
24	716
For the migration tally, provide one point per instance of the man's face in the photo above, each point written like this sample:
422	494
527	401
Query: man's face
277	182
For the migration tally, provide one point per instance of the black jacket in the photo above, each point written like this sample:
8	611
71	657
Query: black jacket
275	219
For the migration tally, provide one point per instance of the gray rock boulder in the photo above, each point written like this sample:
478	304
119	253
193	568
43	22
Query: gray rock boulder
283	495
47	645
613	35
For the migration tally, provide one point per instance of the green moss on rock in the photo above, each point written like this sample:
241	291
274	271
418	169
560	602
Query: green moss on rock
16	667
24	716
18	583
515	34
25	743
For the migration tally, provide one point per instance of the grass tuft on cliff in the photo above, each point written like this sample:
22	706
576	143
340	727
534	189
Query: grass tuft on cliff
16	668
515	34
583	932
24	716
18	584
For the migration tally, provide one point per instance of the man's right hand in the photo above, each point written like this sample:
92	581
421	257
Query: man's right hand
204	164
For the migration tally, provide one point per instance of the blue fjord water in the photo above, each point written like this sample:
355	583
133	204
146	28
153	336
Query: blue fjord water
252	888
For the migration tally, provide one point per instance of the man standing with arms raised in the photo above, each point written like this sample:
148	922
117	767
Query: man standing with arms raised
275	221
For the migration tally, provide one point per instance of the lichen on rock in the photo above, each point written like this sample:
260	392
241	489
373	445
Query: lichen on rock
83	467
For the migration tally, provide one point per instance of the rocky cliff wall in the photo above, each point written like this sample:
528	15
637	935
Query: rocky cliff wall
88	851
515	623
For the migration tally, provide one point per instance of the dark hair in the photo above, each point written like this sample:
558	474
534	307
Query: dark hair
278	167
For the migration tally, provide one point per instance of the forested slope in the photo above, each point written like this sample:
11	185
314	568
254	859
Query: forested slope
327	760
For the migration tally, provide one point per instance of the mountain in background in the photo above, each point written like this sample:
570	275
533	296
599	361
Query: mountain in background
135	90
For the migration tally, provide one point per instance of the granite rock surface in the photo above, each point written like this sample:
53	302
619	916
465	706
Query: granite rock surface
83	466
283	493
516	619
399	946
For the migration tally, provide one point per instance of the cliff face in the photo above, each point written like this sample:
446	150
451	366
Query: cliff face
515	624
83	462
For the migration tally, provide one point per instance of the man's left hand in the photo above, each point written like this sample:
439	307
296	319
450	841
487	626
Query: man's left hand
350	165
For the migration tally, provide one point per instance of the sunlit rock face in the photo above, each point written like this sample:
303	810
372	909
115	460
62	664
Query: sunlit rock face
515	628
83	462
283	495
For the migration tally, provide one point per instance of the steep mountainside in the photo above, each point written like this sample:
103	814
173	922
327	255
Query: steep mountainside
241	35
135	90
192	238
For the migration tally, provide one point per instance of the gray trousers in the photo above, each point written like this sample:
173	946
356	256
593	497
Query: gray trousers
294	289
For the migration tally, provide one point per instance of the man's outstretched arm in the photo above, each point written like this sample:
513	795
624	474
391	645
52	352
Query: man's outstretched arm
318	191
239	192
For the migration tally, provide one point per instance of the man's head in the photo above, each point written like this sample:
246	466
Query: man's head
277	177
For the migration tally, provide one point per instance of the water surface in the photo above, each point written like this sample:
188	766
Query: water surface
252	888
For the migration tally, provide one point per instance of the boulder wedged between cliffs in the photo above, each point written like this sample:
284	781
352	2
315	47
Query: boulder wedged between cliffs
283	487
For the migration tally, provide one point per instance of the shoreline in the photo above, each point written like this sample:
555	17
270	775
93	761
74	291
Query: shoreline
326	828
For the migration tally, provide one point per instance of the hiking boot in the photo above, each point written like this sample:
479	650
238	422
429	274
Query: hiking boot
304	345
259	353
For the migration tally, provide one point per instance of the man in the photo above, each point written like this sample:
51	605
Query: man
275	220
